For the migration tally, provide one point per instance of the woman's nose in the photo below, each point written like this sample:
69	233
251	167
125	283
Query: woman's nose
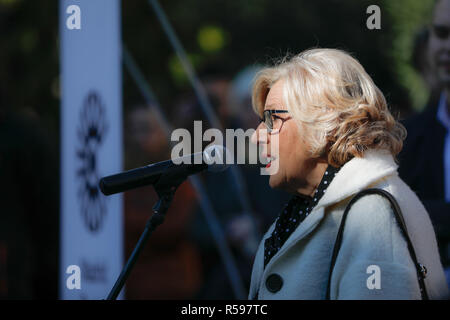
260	135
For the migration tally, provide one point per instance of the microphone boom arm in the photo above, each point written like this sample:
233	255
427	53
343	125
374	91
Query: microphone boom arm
165	188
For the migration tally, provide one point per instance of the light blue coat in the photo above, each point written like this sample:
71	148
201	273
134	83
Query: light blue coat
371	238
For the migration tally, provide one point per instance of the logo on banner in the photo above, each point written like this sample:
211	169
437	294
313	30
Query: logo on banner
91	133
94	272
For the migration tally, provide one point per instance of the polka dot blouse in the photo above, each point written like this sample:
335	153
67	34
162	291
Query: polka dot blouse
295	211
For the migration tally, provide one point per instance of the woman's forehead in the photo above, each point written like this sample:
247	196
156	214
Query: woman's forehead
274	99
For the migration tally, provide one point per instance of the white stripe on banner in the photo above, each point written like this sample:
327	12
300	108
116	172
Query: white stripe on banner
91	147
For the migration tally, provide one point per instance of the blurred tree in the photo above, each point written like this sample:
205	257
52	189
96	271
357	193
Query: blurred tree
29	58
409	16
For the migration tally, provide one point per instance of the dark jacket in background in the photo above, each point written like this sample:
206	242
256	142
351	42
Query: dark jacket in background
29	210
422	168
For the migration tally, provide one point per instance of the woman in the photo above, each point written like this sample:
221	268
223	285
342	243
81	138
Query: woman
328	134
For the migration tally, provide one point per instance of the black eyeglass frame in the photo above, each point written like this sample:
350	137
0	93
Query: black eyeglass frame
267	119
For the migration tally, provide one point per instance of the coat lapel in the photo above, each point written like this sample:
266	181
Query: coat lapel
302	230
259	265
307	225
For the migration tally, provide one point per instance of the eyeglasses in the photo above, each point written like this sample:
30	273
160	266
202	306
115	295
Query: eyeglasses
440	31
269	116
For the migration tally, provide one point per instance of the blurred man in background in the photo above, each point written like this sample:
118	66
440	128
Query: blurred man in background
425	159
29	219
169	266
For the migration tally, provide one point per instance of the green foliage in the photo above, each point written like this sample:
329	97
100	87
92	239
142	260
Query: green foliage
408	16
211	39
9	3
29	58
176	69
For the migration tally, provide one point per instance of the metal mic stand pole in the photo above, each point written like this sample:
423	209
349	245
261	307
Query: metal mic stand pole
165	194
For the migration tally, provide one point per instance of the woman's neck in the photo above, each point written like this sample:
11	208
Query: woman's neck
312	180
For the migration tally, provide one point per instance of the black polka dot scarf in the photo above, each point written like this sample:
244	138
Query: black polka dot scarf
295	211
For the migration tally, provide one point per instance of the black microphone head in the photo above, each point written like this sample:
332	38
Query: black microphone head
217	157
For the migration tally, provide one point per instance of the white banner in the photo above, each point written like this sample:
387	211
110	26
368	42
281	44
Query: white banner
91	244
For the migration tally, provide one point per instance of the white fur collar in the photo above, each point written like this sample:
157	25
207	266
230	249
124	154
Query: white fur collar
357	174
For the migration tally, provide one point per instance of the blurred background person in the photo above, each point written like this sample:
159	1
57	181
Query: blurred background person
29	217
420	60
169	266
425	158
222	192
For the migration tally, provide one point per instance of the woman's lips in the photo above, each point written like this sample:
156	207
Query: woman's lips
269	159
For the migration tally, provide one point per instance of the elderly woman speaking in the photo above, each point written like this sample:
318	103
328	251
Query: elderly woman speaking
352	229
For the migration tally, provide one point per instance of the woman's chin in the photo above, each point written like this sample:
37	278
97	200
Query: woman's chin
275	182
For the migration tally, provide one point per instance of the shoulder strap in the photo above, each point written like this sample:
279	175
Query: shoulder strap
421	270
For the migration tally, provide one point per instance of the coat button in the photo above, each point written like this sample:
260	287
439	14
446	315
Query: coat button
274	283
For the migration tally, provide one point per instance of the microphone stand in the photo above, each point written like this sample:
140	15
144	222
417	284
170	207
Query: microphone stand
165	188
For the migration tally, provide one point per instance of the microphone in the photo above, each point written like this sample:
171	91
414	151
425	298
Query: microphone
178	169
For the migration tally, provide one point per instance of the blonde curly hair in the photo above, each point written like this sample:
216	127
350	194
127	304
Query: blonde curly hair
339	109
